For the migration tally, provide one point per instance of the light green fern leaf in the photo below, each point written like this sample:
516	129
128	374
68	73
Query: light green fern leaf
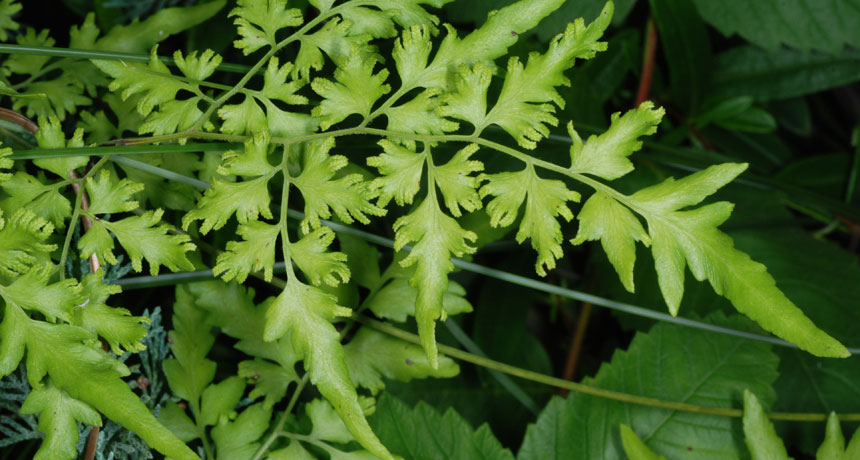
122	331
247	200
523	108
338	42
605	155
354	92
8	8
604	219
59	414
400	170
256	252
23	242
258	22
437	237
305	312
86	373
27	192
348	196
319	266
142	237
545	199
759	434
683	238
111	196
456	182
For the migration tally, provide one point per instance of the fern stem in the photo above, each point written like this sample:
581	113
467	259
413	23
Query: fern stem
75	54
593	390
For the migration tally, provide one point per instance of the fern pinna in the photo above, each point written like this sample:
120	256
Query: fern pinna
443	110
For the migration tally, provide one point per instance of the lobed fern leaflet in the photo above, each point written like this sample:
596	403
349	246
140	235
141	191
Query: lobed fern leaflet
436	99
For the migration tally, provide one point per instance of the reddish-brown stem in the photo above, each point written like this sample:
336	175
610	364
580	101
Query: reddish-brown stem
647	63
93	439
85	204
576	344
19	120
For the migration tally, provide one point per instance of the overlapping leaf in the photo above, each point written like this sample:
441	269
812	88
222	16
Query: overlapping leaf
689	238
305	312
716	369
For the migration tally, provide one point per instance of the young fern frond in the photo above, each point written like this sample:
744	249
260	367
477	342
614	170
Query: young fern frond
294	128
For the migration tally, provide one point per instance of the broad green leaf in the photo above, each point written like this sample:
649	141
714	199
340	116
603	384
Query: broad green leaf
348	196
545	200
635	448
219	399
177	421
354	92
110	196
27	192
400	170
436	238
523	108
781	74
685	43
189	372
305	312
256	252
247	199
801	24
458	186
682	238
396	300
58	420
327	426
716	369
231	308
759	434
270	380
140	36
23	242
602	218
362	259
144	237
309	254
372	355
605	155
237	440
421	433
258	21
